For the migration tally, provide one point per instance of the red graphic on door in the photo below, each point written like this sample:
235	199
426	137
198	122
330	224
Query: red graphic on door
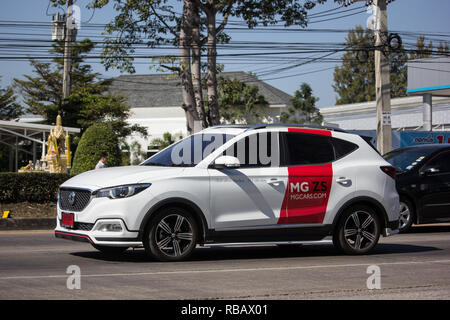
307	190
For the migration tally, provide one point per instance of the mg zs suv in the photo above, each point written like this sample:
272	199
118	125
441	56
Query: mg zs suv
234	184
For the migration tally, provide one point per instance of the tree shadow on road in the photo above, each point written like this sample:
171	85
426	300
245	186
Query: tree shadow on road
247	252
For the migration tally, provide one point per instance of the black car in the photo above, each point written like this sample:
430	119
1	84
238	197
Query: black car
423	183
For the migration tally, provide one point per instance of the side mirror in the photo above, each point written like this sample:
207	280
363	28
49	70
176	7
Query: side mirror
429	171
229	162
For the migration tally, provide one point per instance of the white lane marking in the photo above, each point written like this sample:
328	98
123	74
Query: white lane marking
227	270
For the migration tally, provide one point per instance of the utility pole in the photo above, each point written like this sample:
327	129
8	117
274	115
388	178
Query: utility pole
382	80
67	50
382	72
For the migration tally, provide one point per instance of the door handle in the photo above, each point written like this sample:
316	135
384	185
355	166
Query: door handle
346	182
274	181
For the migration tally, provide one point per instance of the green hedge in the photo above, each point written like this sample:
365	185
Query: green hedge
31	187
97	139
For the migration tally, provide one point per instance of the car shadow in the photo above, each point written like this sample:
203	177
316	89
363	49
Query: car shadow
265	252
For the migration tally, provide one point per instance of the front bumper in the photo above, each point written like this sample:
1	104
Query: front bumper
95	236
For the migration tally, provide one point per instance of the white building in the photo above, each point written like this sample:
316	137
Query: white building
156	100
407	114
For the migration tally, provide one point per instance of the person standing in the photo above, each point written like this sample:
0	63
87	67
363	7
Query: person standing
102	162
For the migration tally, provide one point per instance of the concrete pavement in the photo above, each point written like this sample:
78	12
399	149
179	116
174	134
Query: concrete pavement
413	266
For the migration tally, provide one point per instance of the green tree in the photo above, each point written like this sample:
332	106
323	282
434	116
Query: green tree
166	140
422	50
239	102
193	30
137	153
303	109
97	139
354	80
43	90
443	49
83	109
89	101
9	108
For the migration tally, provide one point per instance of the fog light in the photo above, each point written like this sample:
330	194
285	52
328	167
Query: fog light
111	227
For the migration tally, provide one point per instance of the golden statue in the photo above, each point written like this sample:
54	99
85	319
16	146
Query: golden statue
58	156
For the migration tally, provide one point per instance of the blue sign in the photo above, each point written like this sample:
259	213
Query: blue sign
402	139
412	138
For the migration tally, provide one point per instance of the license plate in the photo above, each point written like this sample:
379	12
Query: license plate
67	220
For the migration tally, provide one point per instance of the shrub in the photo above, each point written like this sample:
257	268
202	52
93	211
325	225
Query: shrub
97	139
32	187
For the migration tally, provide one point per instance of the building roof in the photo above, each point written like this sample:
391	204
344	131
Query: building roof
407	114
16	125
404	104
163	90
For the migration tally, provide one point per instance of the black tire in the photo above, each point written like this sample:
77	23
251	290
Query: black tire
171	235
110	250
357	231
407	215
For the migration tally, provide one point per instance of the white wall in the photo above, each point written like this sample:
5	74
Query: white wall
407	113
157	121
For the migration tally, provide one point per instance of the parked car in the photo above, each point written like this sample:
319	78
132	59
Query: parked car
237	184
423	182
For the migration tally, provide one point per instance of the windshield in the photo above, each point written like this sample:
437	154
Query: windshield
406	159
188	152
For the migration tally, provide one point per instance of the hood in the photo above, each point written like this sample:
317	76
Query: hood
115	176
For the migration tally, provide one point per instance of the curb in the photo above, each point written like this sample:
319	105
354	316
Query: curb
27	224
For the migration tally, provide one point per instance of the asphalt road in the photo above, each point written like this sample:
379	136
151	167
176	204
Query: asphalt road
33	265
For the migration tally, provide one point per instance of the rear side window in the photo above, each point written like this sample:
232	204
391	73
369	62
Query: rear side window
342	147
306	149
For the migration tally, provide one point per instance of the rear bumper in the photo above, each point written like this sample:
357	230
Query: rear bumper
393	225
392	228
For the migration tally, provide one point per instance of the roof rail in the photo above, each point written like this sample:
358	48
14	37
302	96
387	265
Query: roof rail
295	125
243	126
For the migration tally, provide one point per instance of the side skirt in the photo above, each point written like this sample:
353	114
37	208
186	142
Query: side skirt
272	235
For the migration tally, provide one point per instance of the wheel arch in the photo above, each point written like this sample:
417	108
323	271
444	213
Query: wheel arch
180	203
375	204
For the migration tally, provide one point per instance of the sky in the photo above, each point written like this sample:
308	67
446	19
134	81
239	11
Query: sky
414	16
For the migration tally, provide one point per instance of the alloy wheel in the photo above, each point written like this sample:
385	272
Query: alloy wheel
405	215
174	235
360	230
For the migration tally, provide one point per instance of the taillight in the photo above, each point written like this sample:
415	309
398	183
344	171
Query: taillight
390	171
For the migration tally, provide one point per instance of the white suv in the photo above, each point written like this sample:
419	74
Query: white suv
237	184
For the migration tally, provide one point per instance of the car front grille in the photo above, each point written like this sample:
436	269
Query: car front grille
80	199
84	226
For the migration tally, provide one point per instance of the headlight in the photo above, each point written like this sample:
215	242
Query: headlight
120	192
